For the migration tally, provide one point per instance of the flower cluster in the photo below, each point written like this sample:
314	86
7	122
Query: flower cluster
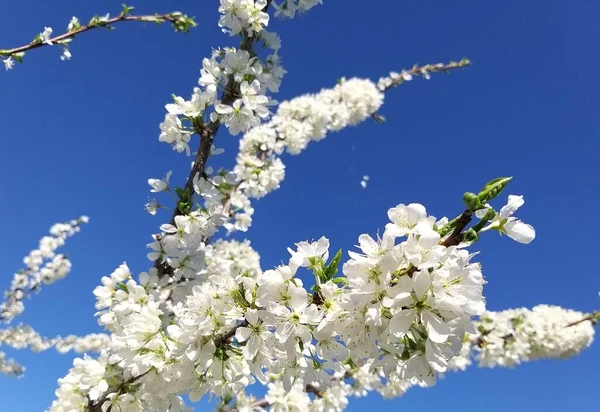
289	8
206	321
142	342
43	266
24	336
402	308
240	15
506	223
510	337
10	366
245	78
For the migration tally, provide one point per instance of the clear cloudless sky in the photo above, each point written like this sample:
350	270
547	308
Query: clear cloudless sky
81	137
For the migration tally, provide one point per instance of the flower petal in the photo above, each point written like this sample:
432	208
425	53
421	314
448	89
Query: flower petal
437	330
401	322
421	282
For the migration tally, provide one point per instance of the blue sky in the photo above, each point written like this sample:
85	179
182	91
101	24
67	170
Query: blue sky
81	137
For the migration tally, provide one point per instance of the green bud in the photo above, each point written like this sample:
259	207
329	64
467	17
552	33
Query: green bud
184	207
472	201
490	214
470	236
181	22
379	118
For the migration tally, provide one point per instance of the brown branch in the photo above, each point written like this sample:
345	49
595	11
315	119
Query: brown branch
157	18
457	236
423	71
429	68
97	407
310	388
225	338
590	316
454	239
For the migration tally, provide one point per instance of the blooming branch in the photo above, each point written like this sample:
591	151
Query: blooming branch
510	337
206	321
44	266
592	317
24	336
178	20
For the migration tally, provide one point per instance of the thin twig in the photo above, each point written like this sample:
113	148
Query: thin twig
157	18
590	316
427	69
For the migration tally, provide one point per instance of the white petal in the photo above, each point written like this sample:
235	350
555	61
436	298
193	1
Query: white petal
252	347
393	230
421	282
401	322
519	231
368	245
480	214
437	330
514	202
223	109
415	212
435	357
242	334
252	316
428	237
298	298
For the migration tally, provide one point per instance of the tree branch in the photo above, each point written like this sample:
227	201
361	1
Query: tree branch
425	70
226	337
207	135
176	18
457	236
594	316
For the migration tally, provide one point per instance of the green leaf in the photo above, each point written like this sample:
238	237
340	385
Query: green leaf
318	268
181	22
227	398
492	189
340	281
126	9
184	194
332	268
